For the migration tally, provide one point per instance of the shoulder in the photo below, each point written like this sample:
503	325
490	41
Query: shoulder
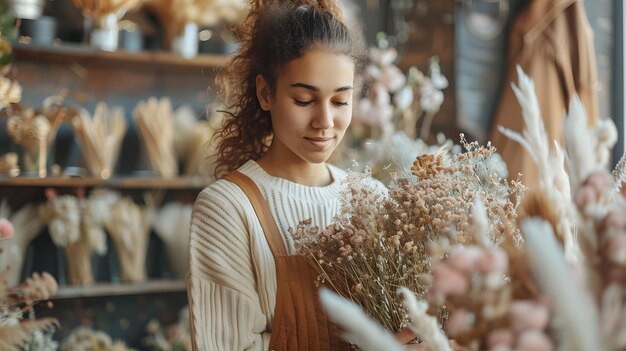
220	193
223	202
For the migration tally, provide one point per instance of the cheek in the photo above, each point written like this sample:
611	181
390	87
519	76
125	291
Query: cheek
343	119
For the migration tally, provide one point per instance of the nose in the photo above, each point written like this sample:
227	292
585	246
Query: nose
324	118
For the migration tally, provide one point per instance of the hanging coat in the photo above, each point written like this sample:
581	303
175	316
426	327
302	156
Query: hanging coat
552	41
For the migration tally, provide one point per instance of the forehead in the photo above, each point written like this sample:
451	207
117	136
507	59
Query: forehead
323	69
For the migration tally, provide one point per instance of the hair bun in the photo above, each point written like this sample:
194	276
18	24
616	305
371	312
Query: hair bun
329	6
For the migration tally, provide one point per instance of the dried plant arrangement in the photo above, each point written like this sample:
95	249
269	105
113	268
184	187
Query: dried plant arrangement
75	224
129	227
15	301
10	92
155	123
26	224
97	9
542	293
35	130
380	240
175	14
86	339
100	138
171	223
8	165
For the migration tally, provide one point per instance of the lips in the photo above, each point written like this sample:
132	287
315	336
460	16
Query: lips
319	143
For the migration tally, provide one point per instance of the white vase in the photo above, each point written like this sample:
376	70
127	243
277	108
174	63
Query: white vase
30	9
186	43
104	33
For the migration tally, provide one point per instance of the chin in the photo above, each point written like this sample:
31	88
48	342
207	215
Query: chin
317	158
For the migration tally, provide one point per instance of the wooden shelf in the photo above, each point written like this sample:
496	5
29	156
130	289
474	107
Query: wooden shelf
117	183
84	55
107	289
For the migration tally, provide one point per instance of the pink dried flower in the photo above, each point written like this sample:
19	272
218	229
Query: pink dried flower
615	248
592	188
493	261
465	258
500	338
534	340
528	315
460	321
6	229
449	281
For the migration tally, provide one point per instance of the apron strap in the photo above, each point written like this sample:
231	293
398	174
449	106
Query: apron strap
272	234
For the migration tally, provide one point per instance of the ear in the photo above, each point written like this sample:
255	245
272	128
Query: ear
263	92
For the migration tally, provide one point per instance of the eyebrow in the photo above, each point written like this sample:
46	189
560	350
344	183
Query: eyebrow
316	89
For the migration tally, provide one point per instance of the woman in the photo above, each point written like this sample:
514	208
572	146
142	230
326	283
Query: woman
289	95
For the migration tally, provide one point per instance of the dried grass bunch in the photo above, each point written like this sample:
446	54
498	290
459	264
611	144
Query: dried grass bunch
100	137
380	241
15	301
129	227
155	123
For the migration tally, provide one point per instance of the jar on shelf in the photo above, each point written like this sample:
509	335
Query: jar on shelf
185	43
104	33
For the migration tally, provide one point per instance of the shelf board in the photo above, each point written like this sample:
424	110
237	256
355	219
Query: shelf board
117	183
84	55
107	289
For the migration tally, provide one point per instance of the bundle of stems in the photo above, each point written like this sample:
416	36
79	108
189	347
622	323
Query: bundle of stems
100	138
154	121
27	225
129	227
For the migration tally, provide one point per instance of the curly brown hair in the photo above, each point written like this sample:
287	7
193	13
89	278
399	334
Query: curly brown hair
273	33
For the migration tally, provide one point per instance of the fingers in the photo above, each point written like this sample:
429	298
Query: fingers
404	336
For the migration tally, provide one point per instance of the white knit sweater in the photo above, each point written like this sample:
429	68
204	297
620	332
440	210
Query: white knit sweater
232	274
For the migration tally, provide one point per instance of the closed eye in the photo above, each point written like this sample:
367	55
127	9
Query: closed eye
303	103
341	103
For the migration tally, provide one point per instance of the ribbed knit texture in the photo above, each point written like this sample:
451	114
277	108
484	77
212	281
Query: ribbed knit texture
232	274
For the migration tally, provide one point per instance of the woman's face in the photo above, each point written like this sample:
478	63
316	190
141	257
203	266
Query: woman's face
312	105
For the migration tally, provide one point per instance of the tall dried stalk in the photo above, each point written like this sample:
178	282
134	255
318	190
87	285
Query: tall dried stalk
554	183
155	124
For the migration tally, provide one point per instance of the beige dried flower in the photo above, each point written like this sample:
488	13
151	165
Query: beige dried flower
10	92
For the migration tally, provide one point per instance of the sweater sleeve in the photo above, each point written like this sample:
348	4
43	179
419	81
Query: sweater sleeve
224	305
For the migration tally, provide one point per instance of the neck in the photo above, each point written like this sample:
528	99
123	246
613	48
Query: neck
294	169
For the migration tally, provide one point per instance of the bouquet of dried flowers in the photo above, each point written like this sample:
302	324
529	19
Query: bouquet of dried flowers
395	101
545	293
176	337
16	332
386	117
86	339
380	240
76	224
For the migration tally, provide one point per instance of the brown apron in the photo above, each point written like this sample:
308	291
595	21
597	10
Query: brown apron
299	320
